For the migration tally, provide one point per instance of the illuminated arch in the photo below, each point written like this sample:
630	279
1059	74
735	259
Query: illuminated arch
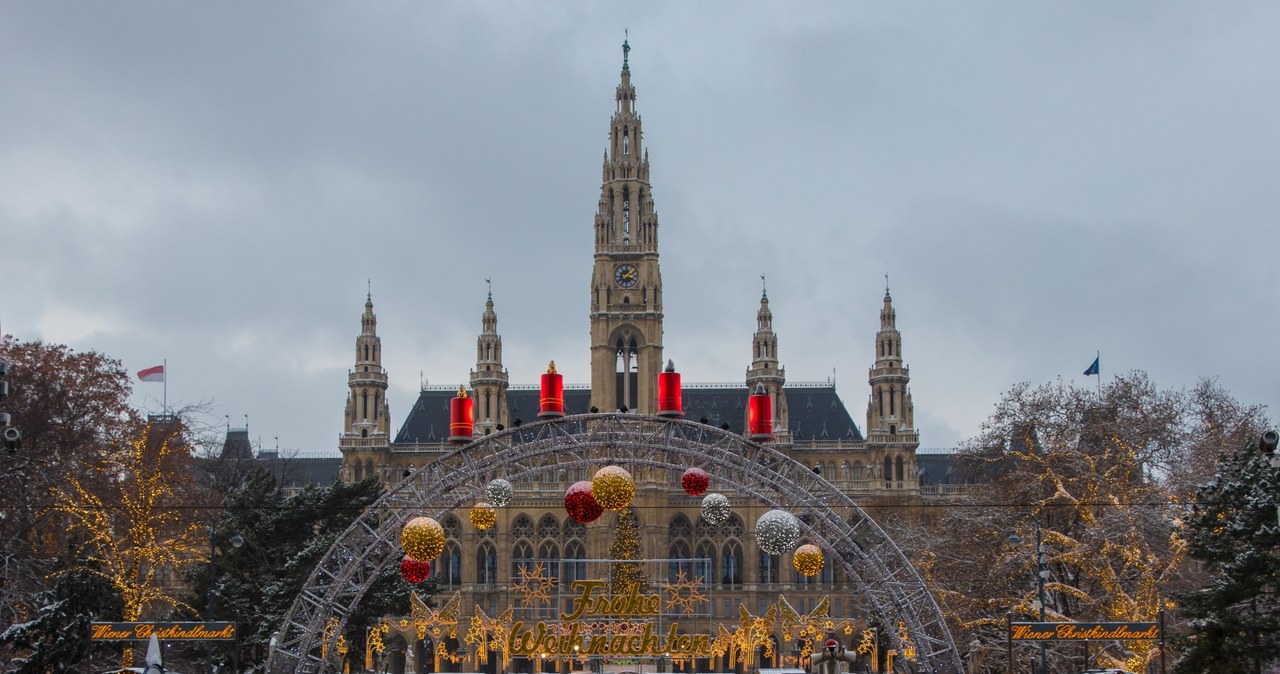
877	569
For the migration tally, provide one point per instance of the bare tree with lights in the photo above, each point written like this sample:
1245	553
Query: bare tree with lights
140	527
1105	477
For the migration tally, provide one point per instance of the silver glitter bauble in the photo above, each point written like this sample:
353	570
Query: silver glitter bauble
777	532
498	492
715	508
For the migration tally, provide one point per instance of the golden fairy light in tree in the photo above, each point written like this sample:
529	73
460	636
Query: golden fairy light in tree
625	574
134	528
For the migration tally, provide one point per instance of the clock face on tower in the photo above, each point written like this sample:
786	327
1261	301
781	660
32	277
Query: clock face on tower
626	276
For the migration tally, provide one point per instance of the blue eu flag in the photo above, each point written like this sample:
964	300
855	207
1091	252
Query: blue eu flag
1093	369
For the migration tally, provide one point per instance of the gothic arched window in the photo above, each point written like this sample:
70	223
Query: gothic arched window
548	527
521	557
626	212
449	570
549	553
731	564
768	568
487	564
897	469
888	469
678	561
522	527
704	561
574	566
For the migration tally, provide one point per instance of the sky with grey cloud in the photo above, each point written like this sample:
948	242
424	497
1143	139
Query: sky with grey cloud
215	184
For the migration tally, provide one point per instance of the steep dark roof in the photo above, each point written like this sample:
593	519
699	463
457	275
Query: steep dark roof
237	444
936	467
815	411
297	472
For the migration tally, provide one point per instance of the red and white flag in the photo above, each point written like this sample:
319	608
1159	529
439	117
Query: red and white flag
152	374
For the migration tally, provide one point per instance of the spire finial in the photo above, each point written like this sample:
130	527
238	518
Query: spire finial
626	48
886	285
489	282
369	294
764	289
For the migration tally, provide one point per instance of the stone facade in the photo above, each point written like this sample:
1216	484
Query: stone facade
812	425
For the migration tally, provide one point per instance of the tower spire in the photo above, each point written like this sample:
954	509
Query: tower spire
765	371
367	422
890	411
626	282
489	379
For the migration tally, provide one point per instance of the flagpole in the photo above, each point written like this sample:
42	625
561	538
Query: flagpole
165	403
1098	360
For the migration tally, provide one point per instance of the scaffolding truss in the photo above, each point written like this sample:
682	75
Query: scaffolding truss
878	570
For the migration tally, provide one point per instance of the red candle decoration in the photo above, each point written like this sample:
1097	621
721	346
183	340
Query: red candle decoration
695	481
760	415
580	504
414	571
552	401
462	417
669	392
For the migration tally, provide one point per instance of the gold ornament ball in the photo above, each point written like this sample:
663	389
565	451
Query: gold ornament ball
483	516
422	539
613	488
808	560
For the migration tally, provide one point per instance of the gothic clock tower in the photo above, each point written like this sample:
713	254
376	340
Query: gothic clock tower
626	284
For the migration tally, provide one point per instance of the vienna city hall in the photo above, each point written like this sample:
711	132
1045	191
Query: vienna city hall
636	524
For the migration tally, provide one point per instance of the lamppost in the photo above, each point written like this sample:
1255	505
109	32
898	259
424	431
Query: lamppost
236	540
1042	573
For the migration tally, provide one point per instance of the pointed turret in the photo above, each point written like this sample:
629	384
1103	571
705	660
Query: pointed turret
626	283
367	422
489	379
890	412
765	370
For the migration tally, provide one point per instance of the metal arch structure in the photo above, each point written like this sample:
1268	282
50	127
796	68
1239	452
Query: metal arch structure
874	565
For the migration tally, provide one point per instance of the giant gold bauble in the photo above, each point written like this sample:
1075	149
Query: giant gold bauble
422	539
482	516
613	488
808	560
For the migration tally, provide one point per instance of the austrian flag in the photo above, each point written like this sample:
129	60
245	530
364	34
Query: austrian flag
152	374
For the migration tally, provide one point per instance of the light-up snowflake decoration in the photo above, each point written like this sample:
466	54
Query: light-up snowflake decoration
534	586
684	593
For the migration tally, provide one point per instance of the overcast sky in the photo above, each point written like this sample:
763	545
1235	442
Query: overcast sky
214	183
